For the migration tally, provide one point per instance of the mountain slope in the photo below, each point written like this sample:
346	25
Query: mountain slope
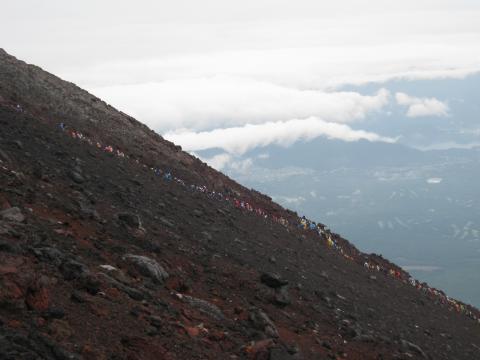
102	259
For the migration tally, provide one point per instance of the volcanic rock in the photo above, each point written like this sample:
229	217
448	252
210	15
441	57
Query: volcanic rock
262	322
12	214
76	177
273	280
131	220
205	307
148	267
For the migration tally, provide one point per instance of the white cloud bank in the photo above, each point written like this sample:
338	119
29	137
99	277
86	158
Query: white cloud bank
418	107
209	103
238	140
201	66
218	161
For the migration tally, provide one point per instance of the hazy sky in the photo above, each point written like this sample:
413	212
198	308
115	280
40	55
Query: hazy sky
201	72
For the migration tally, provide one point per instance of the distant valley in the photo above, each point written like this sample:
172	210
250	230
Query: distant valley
422	210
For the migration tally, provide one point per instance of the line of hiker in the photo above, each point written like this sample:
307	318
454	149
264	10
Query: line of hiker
301	223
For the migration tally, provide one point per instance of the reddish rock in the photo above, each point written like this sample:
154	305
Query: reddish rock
217	335
38	299
10	291
176	284
100	311
8	269
112	293
60	329
89	353
260	349
14	324
192	331
40	321
4	204
143	349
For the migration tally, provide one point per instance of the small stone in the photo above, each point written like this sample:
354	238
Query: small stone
72	269
5	246
38	299
166	222
279	353
413	347
262	322
12	214
18	143
205	307
49	254
192	331
156	321
60	329
77	297
273	280
55	313
326	345
282	298
259	349
76	177
112	293
197	213
131	220
4	156
108	267
130	291
207	236
366	338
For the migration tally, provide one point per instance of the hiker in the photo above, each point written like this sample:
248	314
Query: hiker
330	241
303	223
61	126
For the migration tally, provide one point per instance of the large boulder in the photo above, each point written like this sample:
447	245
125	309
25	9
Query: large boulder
204	306
148	267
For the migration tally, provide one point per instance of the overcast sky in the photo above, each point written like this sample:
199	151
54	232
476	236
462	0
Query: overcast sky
189	69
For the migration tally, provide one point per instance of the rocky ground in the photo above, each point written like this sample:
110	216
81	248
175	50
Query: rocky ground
100	259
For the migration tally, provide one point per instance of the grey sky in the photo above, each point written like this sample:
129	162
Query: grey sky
56	33
199	66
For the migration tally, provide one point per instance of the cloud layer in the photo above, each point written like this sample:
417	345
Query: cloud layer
194	67
238	140
210	103
418	107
